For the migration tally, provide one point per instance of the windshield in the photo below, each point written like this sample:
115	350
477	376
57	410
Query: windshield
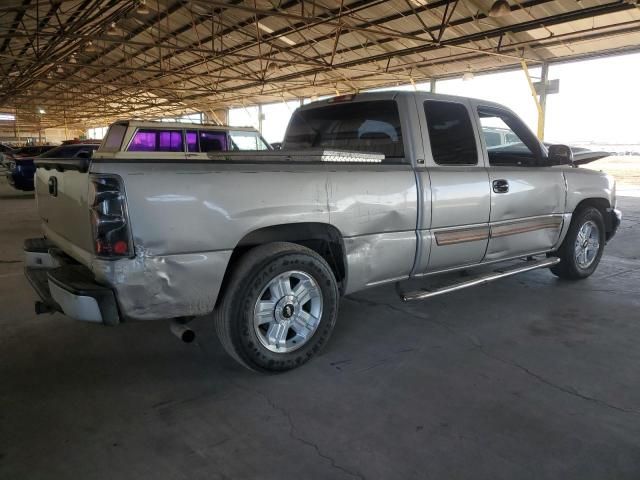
361	126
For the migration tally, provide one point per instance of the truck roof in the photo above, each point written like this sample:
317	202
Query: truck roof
393	95
181	125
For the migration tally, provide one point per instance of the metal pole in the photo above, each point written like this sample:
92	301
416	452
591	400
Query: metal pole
432	85
260	118
534	94
543	99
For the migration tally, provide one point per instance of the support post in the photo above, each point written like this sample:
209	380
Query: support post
534	94
260	118
432	85
544	76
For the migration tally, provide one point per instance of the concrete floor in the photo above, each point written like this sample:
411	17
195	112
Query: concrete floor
526	378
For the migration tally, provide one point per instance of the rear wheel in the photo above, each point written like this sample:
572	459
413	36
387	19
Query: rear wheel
582	248
279	307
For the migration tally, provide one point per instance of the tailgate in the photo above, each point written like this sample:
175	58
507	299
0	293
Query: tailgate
61	188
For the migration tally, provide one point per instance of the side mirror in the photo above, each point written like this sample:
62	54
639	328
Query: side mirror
560	155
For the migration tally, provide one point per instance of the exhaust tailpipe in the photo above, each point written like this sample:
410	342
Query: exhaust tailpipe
182	331
41	307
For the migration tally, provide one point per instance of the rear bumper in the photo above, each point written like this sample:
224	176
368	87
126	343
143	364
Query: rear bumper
614	217
68	288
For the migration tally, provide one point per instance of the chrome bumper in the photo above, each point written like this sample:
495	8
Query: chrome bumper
67	287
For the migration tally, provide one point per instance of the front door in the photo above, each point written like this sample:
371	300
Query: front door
527	197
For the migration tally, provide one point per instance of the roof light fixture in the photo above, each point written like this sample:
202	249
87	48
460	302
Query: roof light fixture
142	8
500	8
282	38
90	47
113	30
60	69
41	111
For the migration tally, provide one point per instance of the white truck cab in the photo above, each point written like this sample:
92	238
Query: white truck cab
135	139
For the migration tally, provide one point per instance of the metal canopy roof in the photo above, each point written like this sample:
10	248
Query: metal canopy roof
89	62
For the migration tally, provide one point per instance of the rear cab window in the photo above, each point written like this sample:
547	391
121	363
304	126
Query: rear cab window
368	126
451	134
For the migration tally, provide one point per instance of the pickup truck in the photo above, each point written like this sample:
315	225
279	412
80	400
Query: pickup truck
368	189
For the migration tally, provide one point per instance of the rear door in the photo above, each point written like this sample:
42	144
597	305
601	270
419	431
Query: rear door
455	173
527	196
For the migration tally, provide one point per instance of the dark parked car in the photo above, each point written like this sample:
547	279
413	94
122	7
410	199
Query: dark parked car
6	149
21	170
33	151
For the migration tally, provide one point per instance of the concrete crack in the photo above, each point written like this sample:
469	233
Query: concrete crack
561	388
479	347
292	434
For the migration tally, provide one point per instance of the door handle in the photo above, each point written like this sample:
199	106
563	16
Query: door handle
500	186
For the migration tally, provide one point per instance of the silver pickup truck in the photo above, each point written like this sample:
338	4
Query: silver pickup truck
368	189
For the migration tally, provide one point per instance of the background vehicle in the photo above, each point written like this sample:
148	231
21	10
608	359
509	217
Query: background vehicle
178	141
32	151
21	170
268	241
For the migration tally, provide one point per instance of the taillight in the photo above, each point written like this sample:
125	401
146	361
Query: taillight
108	210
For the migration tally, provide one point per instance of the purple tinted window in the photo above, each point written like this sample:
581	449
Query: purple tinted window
143	141
192	141
156	141
169	141
211	141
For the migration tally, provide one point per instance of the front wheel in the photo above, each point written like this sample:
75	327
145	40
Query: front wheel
582	248
279	307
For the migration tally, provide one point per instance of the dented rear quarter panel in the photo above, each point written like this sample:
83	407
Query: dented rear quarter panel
187	217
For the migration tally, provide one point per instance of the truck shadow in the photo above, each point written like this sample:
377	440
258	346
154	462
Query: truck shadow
18	196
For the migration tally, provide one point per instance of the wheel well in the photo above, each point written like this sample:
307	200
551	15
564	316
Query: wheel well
602	204
322	238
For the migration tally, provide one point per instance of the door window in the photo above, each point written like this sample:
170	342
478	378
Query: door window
245	140
450	133
212	141
517	145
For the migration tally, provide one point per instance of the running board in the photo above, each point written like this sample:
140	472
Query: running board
481	279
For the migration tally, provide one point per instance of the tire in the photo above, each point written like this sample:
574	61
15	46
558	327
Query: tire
576	264
293	323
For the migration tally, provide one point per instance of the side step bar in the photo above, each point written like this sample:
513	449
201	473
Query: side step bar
481	279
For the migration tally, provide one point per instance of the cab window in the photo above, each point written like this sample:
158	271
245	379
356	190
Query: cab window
518	147
245	140
372	126
212	141
148	140
450	133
